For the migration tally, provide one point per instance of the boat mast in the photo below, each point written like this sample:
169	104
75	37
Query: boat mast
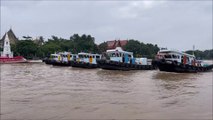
193	50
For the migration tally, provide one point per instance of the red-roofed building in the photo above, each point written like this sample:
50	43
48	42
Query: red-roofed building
116	43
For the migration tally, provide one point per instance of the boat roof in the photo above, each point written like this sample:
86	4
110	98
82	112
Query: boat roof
175	51
83	53
65	53
119	49
54	54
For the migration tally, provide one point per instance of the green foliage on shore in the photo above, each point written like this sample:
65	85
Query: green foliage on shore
26	48
207	54
33	49
140	49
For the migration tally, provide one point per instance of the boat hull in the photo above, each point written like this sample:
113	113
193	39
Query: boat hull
7	60
169	66
113	65
83	65
55	63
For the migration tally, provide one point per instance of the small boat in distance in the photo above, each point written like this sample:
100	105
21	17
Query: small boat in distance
7	54
118	59
176	61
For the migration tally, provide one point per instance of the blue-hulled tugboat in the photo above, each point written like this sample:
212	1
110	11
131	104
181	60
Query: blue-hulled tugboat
117	59
176	61
86	60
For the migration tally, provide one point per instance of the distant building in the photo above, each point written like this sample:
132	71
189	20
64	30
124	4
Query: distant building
11	36
116	43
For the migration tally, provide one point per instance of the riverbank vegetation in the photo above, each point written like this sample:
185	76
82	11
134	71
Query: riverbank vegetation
206	54
37	49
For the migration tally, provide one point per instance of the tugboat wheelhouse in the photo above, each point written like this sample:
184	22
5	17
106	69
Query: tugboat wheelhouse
176	56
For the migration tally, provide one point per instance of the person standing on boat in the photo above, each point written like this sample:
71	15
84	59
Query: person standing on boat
123	58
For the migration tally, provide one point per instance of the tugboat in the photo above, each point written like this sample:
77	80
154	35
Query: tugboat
60	59
7	54
176	61
86	60
117	59
51	59
63	59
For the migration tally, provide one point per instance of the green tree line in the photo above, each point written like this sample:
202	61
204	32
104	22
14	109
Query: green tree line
207	54
141	49
32	49
39	48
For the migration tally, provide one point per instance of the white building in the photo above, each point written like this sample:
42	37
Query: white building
6	48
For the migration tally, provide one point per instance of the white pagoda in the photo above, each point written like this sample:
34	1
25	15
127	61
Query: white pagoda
6	48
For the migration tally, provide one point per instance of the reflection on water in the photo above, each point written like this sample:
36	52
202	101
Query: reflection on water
169	76
39	91
170	81
176	89
115	75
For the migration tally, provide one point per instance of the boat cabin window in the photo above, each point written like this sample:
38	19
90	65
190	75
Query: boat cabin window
113	54
97	57
64	55
167	56
175	56
123	54
81	56
117	55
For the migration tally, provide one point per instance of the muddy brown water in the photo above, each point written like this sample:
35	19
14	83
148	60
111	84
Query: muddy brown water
40	91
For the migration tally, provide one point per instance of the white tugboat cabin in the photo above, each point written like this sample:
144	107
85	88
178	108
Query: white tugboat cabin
176	56
119	55
88	58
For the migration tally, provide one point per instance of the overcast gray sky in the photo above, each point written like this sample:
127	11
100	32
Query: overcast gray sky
172	24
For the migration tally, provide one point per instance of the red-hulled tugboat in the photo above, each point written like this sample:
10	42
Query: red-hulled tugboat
7	54
176	61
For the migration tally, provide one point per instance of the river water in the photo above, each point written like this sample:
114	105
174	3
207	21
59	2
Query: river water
40	91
